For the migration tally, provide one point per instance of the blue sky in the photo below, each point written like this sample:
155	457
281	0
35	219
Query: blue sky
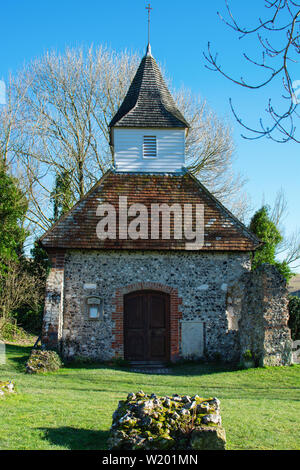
179	35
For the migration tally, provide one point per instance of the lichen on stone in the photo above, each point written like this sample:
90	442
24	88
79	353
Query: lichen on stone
6	387
150	422
43	361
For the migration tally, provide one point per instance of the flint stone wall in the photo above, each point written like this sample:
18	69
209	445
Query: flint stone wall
202	281
264	317
232	308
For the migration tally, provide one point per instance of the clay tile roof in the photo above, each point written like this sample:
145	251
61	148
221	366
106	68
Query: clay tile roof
148	102
77	229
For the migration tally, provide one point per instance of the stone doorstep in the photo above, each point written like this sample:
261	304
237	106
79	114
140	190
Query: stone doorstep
148	367
151	370
147	364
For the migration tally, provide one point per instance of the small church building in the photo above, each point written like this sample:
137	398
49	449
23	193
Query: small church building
149	266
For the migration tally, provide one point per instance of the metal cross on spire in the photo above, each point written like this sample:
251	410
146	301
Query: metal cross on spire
149	8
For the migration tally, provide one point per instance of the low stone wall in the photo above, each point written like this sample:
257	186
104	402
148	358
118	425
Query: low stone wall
149	422
263	327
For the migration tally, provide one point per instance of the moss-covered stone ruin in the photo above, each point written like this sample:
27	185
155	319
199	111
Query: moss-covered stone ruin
149	422
43	361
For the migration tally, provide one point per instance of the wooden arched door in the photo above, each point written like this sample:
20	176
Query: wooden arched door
147	326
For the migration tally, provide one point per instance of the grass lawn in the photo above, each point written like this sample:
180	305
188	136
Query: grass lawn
72	408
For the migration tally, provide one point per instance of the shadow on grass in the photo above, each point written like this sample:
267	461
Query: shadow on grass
189	369
18	355
202	369
75	438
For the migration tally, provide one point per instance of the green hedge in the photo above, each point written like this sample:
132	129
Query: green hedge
294	321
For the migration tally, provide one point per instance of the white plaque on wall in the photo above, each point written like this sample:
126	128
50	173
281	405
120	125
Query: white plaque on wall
192	343
90	286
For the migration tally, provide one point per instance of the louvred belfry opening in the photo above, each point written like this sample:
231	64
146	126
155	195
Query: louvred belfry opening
150	147
148	103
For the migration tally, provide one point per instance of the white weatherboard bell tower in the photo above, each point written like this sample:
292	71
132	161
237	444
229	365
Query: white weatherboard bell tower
148	132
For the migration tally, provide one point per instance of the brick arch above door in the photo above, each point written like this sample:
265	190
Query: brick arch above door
175	316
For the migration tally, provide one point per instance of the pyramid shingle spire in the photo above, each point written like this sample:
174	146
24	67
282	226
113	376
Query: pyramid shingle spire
148	102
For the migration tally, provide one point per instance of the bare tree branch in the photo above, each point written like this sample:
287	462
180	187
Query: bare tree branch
281	26
289	248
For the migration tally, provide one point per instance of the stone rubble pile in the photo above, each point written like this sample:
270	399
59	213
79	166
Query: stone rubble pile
149	422
43	361
6	388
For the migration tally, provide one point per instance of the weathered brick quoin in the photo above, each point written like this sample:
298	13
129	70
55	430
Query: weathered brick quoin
52	324
57	259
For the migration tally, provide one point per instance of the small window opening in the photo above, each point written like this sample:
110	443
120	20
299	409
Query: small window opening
94	311
150	146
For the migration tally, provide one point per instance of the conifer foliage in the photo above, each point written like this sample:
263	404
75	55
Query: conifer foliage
13	207
263	227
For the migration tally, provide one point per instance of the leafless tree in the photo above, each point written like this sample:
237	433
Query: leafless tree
65	103
289	248
280	209
292	252
210	152
277	36
19	287
69	101
10	123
